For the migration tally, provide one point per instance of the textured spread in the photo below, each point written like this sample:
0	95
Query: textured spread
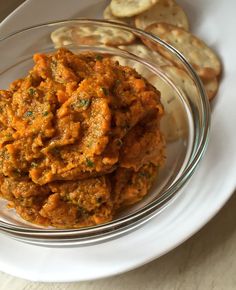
79	139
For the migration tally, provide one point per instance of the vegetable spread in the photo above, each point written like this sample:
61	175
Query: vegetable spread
79	139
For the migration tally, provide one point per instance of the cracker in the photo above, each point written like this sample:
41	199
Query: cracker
182	80
62	36
127	8
87	35
145	53
107	14
202	58
211	87
174	124
166	11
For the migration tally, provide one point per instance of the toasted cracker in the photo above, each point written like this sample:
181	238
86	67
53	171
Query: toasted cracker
144	53
174	123
82	34
166	11
127	8
181	80
62	36
203	58
105	35
211	87
107	14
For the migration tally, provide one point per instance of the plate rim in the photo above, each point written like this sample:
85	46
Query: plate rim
14	271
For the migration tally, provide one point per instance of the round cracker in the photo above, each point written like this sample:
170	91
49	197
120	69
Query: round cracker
202	58
166	11
145	53
88	35
174	124
104	35
127	8
107	14
211	87
181	80
62	36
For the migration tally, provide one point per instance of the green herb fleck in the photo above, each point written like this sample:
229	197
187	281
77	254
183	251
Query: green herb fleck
84	102
99	57
8	135
17	172
90	144
53	63
119	142
89	162
82	212
117	82
125	126
45	113
32	91
145	174
105	91
4	154
28	113
99	199
55	151
34	164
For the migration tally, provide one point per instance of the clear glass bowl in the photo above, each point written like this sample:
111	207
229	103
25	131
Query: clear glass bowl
190	117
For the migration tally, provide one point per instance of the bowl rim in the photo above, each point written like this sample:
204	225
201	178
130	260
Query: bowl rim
151	209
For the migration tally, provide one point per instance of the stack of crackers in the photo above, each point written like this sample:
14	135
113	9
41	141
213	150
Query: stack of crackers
167	20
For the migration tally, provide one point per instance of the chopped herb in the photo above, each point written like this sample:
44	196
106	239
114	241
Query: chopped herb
4	154
34	164
99	199
28	113
89	162
45	113
90	144
145	174
84	102
53	63
8	135
126	127
99	57
119	142
32	91
81	212
16	171
55	150
117	82
105	91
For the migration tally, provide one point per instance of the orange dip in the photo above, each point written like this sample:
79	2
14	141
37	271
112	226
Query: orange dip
79	139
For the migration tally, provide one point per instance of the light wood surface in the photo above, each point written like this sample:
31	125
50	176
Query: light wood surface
207	261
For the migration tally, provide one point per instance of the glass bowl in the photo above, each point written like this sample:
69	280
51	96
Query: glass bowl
186	124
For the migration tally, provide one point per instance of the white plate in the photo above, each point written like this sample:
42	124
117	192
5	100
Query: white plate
206	193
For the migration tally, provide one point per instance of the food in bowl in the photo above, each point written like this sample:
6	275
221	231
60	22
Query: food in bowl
80	138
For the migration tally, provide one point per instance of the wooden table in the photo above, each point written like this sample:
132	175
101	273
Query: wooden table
207	261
